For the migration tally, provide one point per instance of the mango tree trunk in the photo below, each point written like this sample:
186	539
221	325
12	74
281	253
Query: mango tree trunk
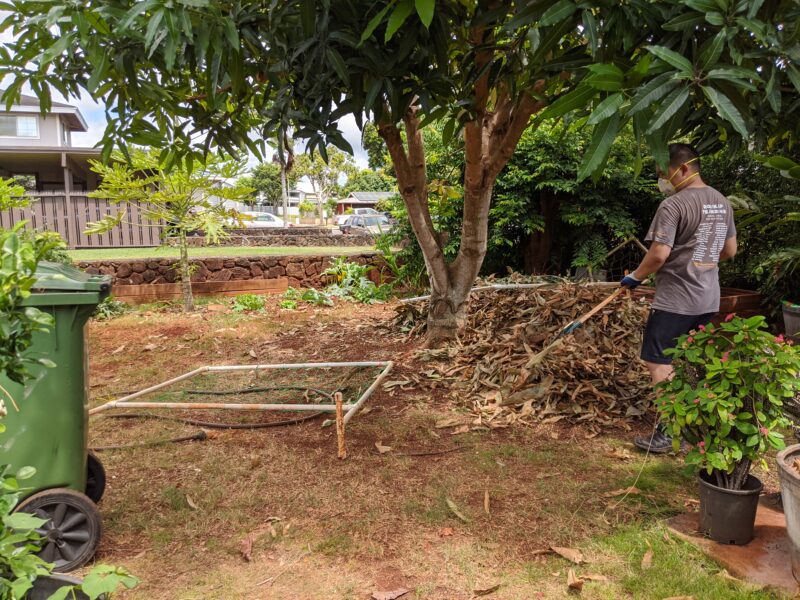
489	142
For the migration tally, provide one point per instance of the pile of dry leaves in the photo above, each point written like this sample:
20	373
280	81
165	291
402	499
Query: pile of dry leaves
594	375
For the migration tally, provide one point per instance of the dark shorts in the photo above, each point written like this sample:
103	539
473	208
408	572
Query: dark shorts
663	329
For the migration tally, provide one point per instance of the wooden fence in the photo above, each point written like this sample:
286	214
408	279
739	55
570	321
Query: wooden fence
70	215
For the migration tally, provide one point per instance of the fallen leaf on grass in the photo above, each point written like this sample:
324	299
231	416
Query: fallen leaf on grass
253	353
486	591
462	429
573	582
393	595
630	491
381	448
396	383
647	559
486	502
247	548
191	502
619	453
570	554
118	350
594	577
451	422
454	509
149	347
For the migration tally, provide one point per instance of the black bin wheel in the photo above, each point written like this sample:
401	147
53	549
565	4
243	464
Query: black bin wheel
95	478
73	529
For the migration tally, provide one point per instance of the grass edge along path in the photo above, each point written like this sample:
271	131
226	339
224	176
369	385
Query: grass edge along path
215	251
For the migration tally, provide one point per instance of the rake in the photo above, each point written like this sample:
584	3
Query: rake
576	324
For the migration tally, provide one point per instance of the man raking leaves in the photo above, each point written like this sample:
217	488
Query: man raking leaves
692	231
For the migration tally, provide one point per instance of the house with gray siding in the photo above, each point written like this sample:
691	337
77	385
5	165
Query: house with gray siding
37	149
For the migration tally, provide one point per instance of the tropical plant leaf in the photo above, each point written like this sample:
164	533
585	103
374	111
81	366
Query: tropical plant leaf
577	98
668	107
606	108
398	17
425	10
726	110
671	57
600	146
558	12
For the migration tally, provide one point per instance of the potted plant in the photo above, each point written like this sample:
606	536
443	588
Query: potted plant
726	401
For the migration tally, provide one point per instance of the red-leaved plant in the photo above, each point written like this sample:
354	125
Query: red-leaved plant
727	394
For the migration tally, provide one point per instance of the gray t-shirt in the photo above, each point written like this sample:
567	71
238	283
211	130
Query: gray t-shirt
695	223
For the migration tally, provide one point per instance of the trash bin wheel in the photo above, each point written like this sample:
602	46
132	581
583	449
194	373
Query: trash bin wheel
95	477
72	532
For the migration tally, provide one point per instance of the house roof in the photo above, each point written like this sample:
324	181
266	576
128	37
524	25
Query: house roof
367	197
71	115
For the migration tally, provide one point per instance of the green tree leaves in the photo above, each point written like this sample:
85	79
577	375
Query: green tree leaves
672	58
726	109
600	147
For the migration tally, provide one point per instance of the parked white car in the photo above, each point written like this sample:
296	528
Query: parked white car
374	224
261	219
342	219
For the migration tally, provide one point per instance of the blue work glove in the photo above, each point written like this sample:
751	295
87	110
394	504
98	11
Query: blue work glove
630	282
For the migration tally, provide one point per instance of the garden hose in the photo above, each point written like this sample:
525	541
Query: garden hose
201	436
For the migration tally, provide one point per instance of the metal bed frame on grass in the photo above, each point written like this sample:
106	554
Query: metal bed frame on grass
129	401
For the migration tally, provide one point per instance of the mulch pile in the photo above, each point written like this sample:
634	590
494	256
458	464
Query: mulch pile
594	377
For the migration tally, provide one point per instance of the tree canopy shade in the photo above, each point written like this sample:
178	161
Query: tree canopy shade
194	75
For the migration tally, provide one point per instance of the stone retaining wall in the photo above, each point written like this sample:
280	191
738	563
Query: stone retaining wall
266	239
301	271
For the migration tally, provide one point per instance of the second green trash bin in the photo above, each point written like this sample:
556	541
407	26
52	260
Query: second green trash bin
50	430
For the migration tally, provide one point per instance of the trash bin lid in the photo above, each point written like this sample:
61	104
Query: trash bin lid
52	276
58	283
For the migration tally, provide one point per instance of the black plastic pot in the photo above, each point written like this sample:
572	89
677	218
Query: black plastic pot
44	587
729	516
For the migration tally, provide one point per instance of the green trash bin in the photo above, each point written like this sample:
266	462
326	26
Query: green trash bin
50	430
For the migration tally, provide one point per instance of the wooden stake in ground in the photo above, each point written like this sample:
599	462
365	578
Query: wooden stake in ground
337	397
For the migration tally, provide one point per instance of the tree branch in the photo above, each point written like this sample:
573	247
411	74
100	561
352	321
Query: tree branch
413	189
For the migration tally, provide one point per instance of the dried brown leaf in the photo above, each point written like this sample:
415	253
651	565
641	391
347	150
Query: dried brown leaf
573	582
454	509
571	554
486	591
647	559
630	491
594	577
247	548
381	448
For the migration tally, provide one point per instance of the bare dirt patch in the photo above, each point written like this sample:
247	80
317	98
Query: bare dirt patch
414	516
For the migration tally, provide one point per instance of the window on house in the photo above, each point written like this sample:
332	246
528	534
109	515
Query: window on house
14	126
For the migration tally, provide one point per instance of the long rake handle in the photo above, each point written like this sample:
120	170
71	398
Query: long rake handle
601	306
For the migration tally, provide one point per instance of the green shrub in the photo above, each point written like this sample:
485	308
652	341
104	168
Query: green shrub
350	282
310	296
727	396
110	309
19	323
248	302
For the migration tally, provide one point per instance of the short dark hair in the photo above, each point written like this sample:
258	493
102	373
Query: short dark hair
683	153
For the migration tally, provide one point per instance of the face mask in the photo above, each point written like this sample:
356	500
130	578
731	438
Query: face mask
666	187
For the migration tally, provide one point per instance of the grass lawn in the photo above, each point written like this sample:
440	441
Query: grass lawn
165	252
